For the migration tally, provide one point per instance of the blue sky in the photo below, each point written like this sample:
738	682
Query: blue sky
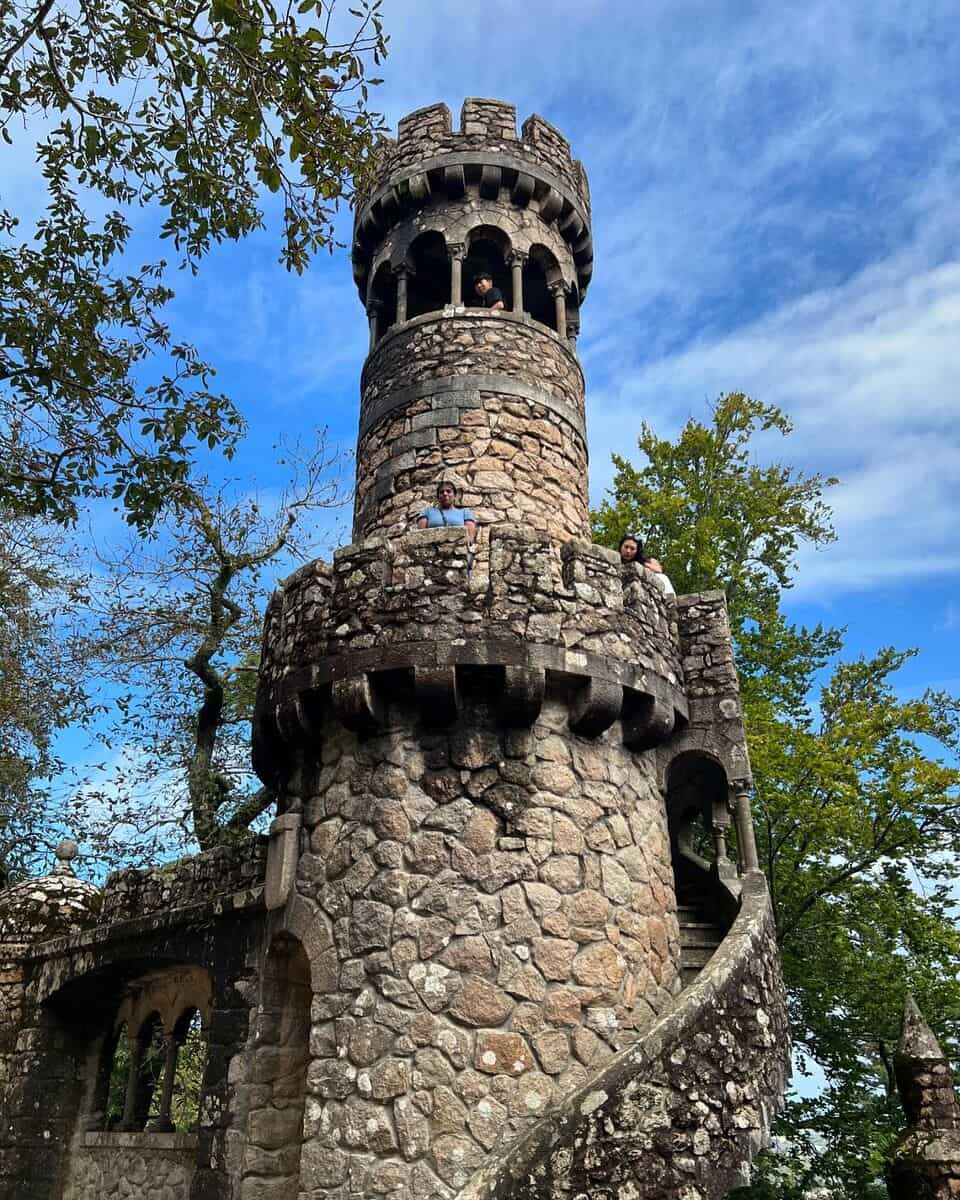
775	211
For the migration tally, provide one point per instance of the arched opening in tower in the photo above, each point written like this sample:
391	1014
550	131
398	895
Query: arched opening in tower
428	288
383	292
696	791
487	251
539	272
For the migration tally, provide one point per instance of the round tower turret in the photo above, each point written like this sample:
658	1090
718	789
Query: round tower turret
490	756
492	400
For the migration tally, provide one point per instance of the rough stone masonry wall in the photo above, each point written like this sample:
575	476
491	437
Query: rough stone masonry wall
679	1115
115	1166
503	914
131	893
711	684
487	127
68	997
524	592
493	401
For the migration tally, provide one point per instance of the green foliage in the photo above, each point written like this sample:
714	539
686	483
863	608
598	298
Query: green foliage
715	517
192	111
40	691
191	1064
857	804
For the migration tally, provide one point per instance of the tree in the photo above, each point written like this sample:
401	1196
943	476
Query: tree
40	655
857	803
189	111
180	631
717	516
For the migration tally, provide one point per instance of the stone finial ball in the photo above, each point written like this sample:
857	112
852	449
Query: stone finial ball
66	851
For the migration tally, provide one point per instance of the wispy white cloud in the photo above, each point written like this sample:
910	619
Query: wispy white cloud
868	371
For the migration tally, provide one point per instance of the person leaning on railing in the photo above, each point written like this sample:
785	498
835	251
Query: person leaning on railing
447	513
631	550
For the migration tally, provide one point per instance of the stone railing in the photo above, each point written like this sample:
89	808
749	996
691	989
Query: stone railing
131	893
680	1114
522	607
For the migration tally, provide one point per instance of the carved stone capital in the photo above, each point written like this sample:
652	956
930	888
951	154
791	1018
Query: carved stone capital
456	251
517	258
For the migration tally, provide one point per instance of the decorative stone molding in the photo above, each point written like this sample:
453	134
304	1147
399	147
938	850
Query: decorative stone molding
283	853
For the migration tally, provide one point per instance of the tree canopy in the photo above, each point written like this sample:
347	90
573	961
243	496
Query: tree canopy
42	690
180	114
857	802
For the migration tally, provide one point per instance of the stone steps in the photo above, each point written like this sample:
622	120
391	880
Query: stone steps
699	938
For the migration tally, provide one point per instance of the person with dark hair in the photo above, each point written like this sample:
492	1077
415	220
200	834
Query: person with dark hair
631	550
447	513
490	297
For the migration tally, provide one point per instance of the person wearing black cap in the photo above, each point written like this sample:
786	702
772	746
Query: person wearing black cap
490	296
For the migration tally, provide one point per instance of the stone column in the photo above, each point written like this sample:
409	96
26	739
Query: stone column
402	274
721	823
163	1123
373	316
558	291
518	259
573	327
129	1121
457	252
749	860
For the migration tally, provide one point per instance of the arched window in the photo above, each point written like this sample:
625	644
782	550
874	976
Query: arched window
117	1052
191	1060
488	249
383	296
147	1057
539	272
150	1080
428	286
696	810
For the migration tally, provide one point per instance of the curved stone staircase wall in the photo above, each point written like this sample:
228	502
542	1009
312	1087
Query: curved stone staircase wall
680	1114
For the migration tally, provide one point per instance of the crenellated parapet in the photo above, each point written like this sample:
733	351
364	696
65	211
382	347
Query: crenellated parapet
485	162
421	618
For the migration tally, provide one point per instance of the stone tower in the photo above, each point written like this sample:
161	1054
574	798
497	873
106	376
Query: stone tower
507	937
496	404
494	761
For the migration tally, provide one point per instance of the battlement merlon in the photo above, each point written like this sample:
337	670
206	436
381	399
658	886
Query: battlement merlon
429	159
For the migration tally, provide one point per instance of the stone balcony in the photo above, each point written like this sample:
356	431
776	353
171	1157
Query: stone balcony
411	619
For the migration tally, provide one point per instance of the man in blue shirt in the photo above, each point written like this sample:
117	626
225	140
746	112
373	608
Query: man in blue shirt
446	513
